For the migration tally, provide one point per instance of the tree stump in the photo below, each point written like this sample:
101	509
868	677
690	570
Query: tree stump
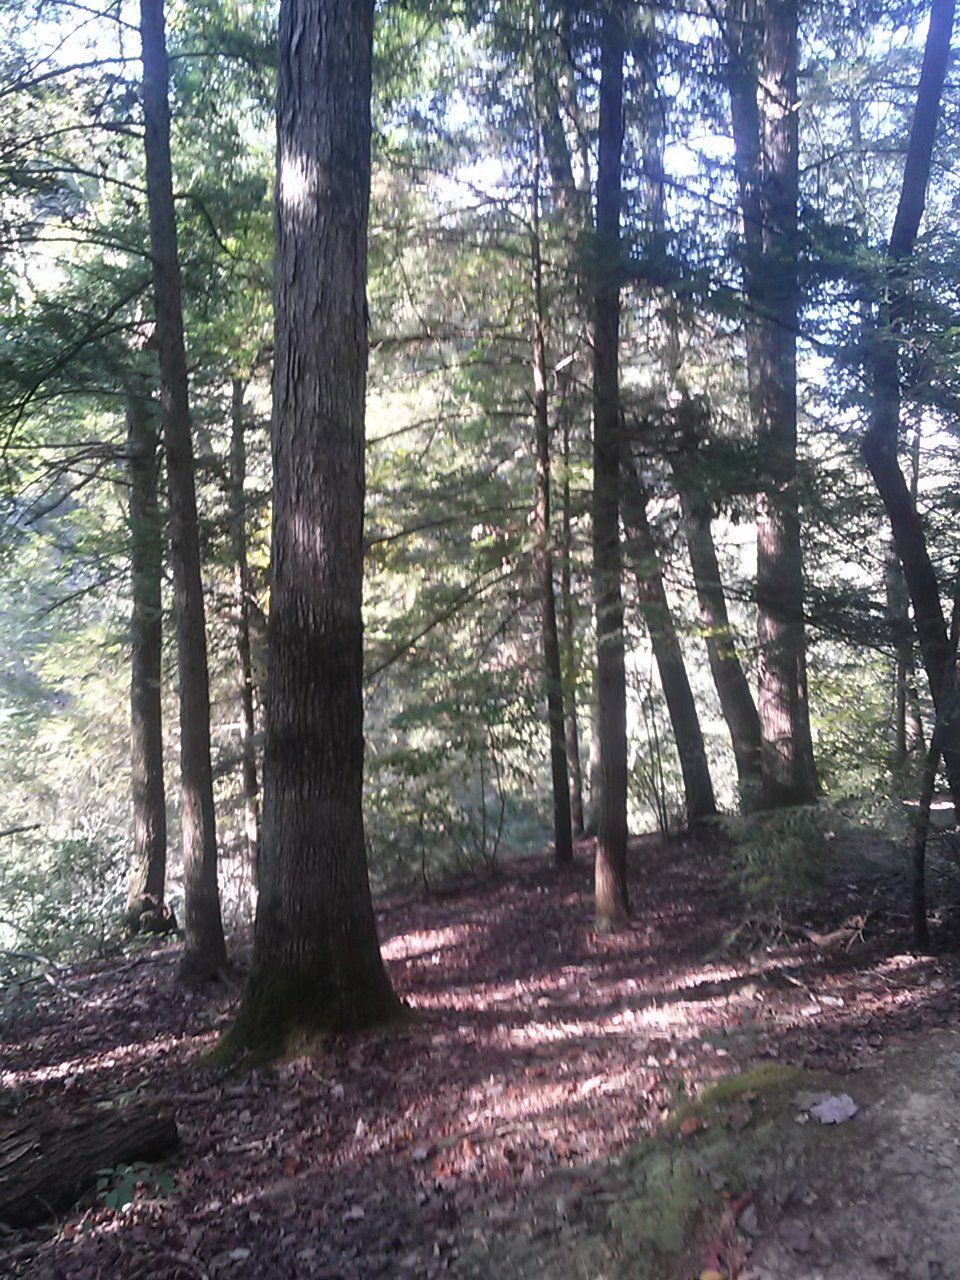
47	1163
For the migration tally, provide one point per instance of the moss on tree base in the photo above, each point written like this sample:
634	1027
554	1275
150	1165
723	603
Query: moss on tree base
289	1012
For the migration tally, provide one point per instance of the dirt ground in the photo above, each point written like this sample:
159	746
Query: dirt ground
500	1123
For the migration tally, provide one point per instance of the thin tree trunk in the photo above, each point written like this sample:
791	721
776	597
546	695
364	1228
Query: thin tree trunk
668	655
204	951
612	902
733	688
881	441
568	638
543	557
317	966
763	90
241	579
148	866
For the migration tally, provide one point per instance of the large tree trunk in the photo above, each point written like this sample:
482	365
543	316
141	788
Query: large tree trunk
205	952
543	557
46	1164
763	89
668	655
568	638
149	854
241	581
317	964
733	688
612	902
880	443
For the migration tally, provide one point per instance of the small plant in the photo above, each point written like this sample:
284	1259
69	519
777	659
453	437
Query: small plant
784	854
117	1186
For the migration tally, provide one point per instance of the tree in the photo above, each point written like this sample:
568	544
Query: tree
317	964
149	853
612	901
763	93
205	951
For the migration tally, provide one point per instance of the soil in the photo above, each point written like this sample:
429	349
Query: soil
501	1131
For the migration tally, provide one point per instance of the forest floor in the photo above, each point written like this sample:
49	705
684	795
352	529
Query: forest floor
510	1128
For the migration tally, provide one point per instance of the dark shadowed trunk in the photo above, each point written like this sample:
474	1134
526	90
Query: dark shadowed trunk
317	964
658	617
149	854
733	688
763	91
241	584
543	556
881	441
568	637
612	903
204	951
906	734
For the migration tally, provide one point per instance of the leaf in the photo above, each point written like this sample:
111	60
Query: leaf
690	1125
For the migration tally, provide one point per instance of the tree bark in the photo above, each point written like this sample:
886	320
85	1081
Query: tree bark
241	581
733	688
668	655
149	854
543	556
881	440
317	966
46	1164
568	638
612	901
763	91
205	950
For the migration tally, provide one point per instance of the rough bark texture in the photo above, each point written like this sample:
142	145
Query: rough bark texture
906	733
612	904
204	951
733	688
568	640
241	583
881	441
148	862
668	655
317	964
47	1164
763	89
543	556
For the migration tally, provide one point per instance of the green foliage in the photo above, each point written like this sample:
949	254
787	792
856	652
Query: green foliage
784	854
120	1184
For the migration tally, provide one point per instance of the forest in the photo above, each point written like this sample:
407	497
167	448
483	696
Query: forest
479	613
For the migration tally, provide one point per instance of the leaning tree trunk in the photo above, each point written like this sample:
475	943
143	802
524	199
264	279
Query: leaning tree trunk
763	90
543	557
733	688
241	582
880	443
612	902
317	964
668	655
148	866
204	952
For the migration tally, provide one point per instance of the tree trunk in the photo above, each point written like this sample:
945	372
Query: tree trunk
568	639
317	966
658	617
733	688
241	581
612	902
205	951
763	90
880	443
543	557
48	1163
905	729
149	855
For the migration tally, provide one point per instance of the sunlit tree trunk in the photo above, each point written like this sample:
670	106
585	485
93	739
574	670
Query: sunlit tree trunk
612	903
241	602
148	866
317	964
204	951
568	639
763	89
